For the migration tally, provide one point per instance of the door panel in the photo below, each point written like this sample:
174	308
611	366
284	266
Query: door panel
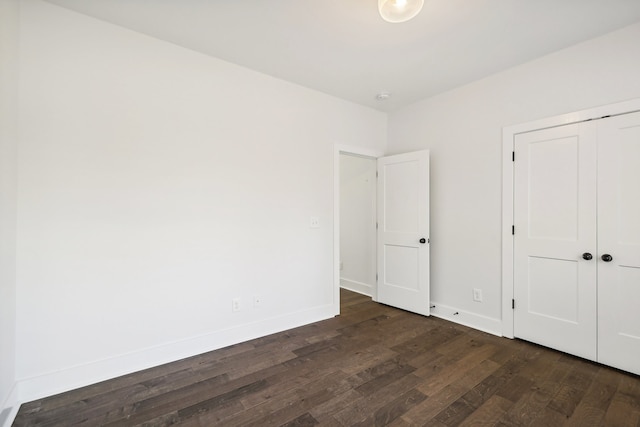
553	286
401	206
403	219
553	202
555	223
403	267
619	236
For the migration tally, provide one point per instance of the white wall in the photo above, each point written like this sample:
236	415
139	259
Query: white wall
8	146
357	223
155	185
462	128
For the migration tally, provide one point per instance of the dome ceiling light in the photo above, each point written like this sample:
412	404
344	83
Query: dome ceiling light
399	10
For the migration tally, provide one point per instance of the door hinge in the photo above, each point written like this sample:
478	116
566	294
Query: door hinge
513	156
513	230
513	304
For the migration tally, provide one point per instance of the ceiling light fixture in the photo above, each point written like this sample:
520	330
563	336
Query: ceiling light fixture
399	10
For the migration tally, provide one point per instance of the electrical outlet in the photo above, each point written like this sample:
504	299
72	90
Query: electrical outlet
314	222
477	295
235	304
257	301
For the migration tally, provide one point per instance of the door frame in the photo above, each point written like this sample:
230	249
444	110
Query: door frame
508	139
338	150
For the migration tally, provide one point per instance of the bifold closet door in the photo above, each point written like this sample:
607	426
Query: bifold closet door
555	238
619	242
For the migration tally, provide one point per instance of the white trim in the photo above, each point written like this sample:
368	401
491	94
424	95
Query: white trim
355	286
10	404
466	318
337	150
508	136
507	237
79	376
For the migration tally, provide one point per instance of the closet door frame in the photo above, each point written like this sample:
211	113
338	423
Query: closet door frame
508	138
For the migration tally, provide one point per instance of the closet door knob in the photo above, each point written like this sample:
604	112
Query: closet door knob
607	258
587	256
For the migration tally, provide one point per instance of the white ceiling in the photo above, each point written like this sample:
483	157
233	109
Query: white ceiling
344	48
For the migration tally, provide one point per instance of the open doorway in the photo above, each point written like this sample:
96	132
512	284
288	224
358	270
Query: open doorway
381	234
358	223
354	244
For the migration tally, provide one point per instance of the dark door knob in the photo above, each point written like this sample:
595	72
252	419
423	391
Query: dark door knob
607	258
587	256
423	240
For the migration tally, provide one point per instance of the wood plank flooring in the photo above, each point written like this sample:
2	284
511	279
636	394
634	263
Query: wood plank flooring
371	366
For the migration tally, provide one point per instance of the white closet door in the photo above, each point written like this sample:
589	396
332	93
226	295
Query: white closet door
619	237
555	224
403	231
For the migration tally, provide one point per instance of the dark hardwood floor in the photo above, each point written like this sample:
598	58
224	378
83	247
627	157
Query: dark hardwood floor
371	366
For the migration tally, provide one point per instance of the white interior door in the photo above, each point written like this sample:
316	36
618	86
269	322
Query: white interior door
403	231
619	237
555	224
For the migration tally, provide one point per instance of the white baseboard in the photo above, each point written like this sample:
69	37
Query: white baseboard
79	376
9	407
355	286
466	318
